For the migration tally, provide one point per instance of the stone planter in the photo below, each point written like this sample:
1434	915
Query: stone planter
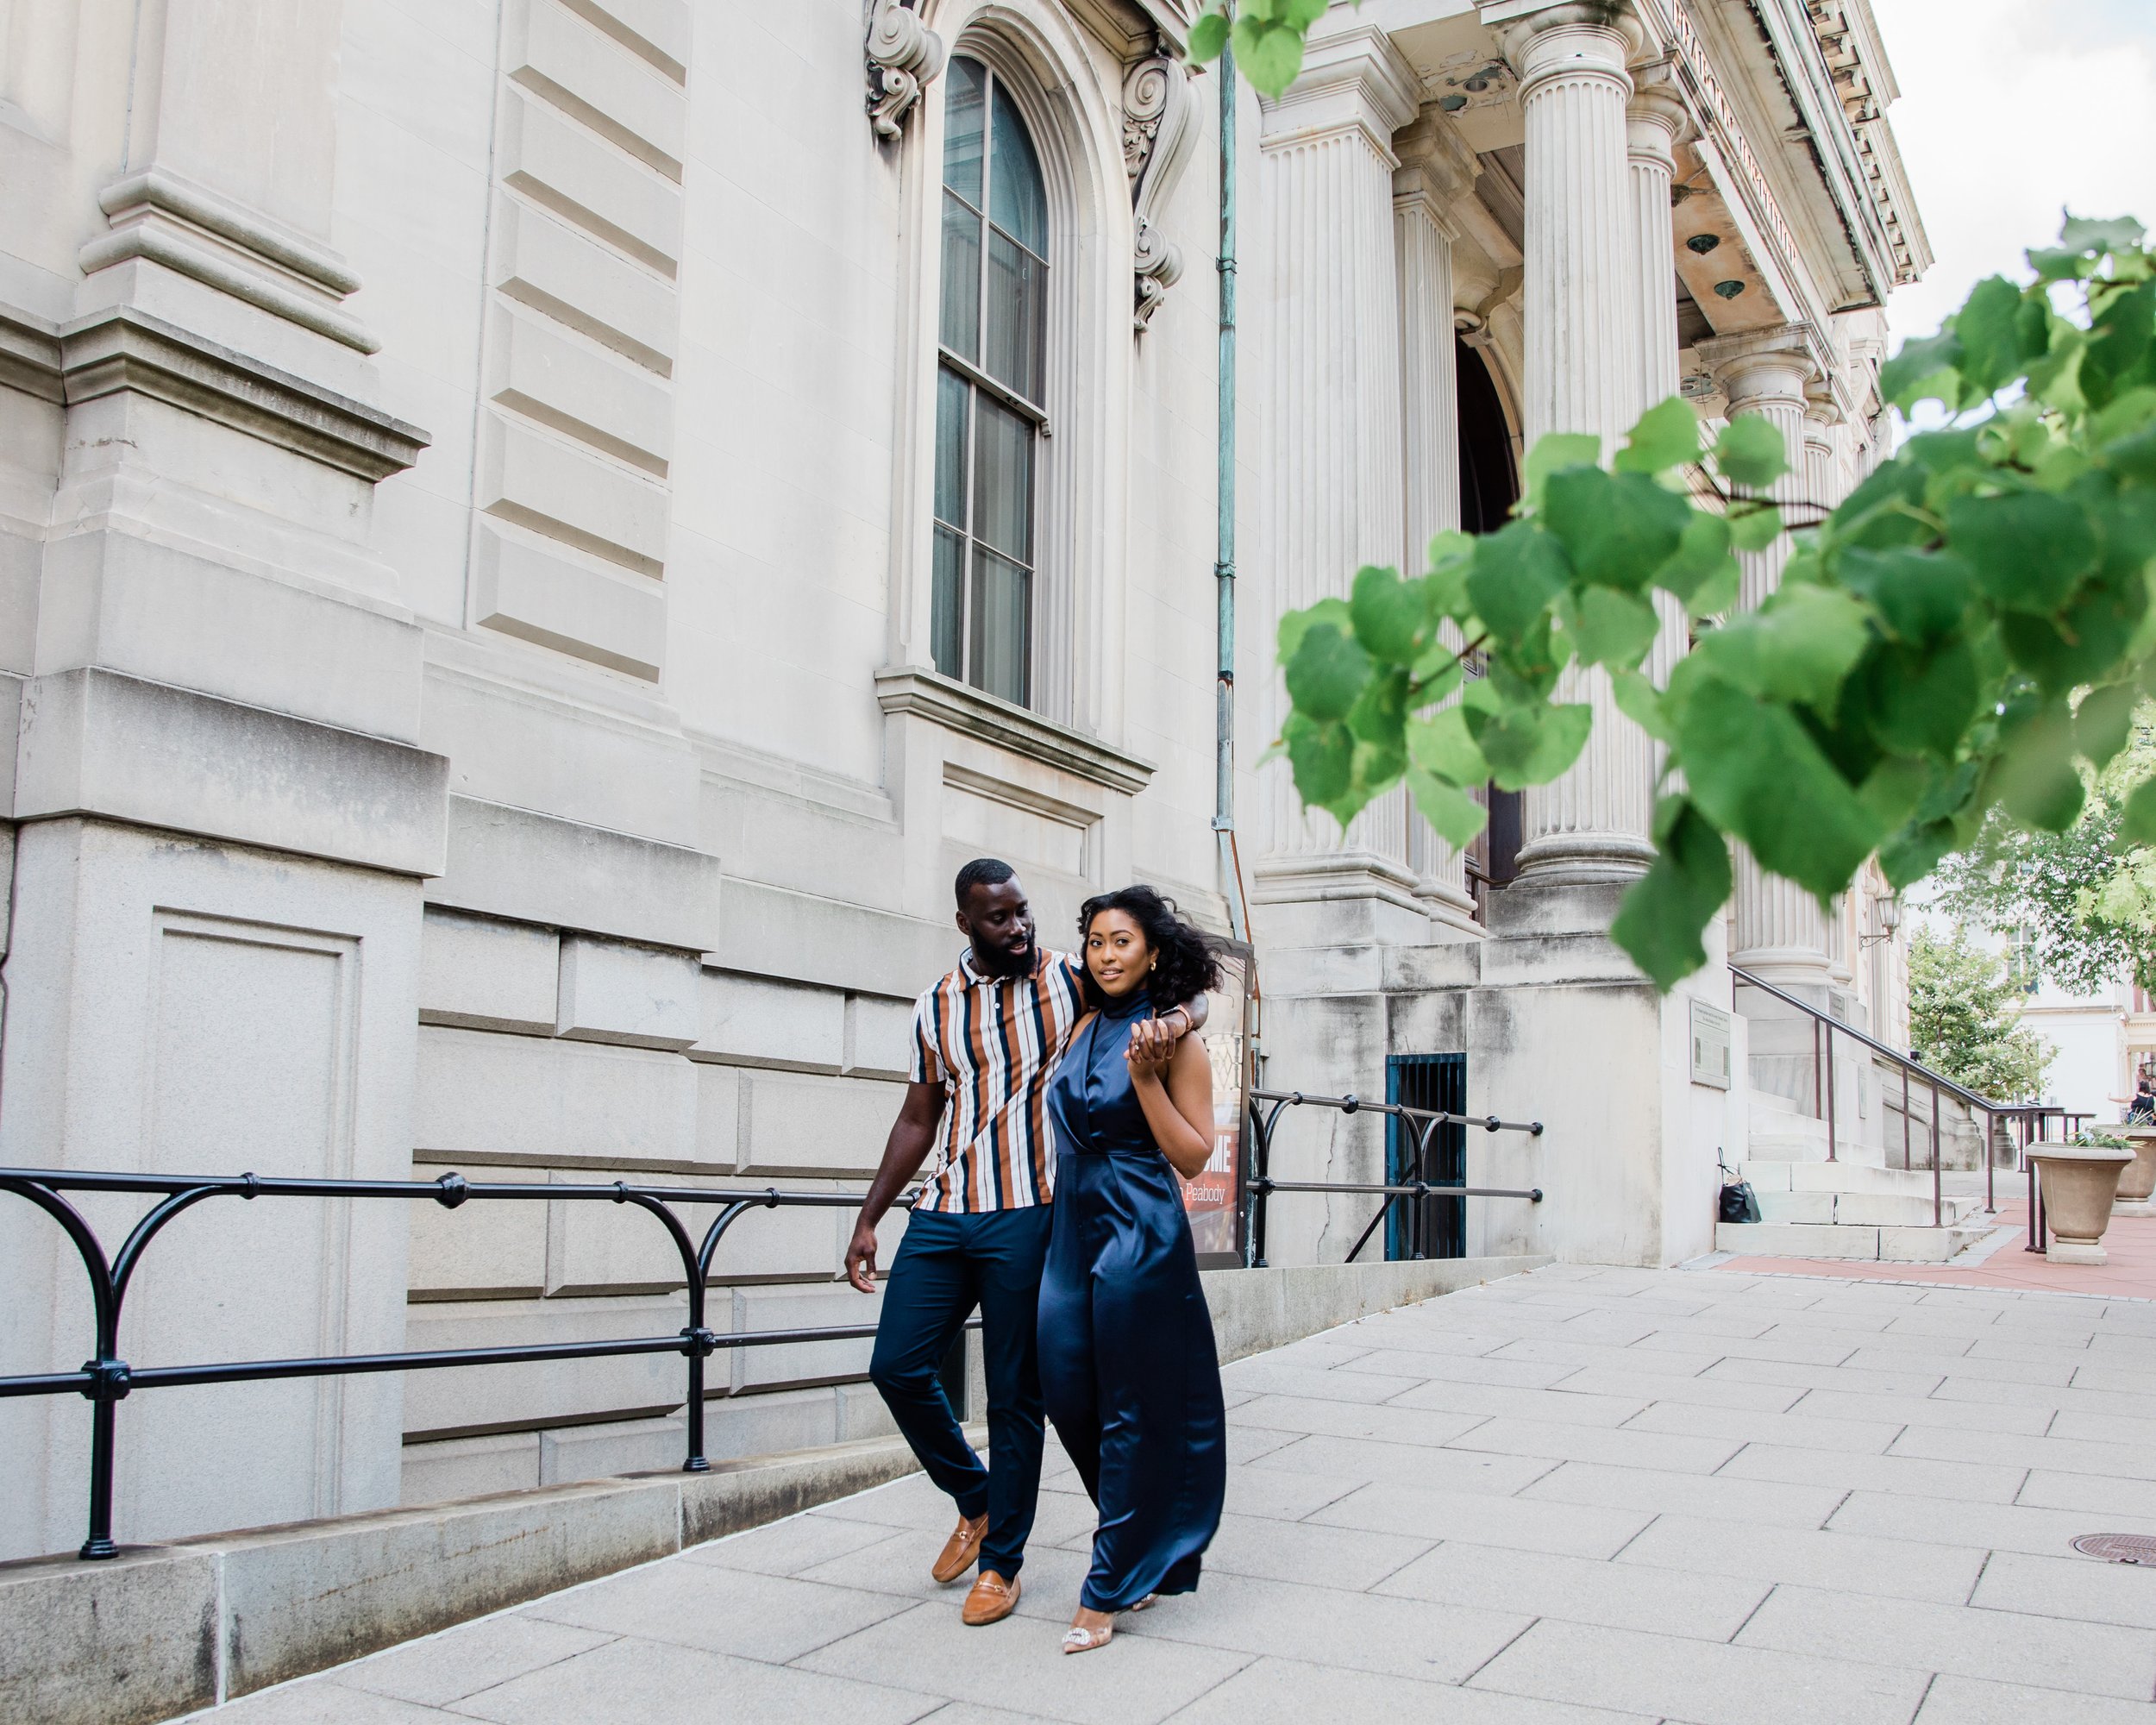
2137	1186
2077	1184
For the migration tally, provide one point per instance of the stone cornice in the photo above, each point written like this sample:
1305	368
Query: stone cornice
124	348
1437	165
924	694
1355	79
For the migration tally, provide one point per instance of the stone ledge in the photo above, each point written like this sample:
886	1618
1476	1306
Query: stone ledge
163	1630
958	706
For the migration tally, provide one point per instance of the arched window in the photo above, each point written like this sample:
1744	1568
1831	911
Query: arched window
988	385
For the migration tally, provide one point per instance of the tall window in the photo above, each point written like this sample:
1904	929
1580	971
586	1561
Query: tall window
989	412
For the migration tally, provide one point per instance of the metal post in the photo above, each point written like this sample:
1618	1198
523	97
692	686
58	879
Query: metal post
1817	1110
1905	1118
1224	531
1936	1202
1830	1092
1990	1161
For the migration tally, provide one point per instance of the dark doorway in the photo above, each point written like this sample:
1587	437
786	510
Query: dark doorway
1489	485
1427	1227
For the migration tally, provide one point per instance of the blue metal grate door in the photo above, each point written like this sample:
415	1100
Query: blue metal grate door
1427	1227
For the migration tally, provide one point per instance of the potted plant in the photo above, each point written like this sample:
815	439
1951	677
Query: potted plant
2078	1182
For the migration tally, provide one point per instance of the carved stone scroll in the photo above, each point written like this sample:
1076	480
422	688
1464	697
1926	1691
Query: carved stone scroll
904	57
1157	111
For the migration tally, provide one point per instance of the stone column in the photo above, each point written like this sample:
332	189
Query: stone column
1655	120
1780	933
1582	375
1436	168
1324	187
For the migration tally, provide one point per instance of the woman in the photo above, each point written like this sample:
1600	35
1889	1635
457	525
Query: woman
1128	1368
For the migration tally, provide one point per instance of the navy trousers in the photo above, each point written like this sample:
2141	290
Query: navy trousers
945	1266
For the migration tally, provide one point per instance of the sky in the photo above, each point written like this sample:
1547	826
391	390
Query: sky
2010	109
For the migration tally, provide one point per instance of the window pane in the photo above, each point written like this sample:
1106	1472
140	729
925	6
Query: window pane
959	327
1017	293
962	88
1003	480
1000	598
944	635
1019	200
953	396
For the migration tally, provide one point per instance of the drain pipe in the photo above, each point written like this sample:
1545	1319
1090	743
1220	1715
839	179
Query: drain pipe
1224	555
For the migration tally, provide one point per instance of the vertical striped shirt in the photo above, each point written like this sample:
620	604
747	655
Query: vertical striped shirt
993	1043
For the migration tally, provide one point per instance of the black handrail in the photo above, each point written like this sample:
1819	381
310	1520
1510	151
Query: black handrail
1823	1084
1423	1122
106	1380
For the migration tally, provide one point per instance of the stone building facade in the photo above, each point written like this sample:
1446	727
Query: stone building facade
535	534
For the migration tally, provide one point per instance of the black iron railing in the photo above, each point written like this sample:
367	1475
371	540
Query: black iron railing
1266	1108
106	1380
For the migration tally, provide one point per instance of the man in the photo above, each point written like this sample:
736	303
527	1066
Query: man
986	1042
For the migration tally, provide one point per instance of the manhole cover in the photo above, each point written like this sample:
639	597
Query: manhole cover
2126	1548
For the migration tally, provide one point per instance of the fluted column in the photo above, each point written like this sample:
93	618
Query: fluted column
1655	121
1583	312
1781	932
1325	182
1436	168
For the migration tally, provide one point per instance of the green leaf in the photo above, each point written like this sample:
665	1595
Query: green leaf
1921	702
1451	555
1948	452
1325	677
1554	452
1618	528
1435	677
1754	529
2027	549
1268	54
2104	723
1922	594
1798	647
1666	436
1701	552
1928	367
1299	15
1641	702
1531	744
1455	815
1988	326
1660	920
1518	571
2113	233
1390	616
1443	744
2034	778
1916	851
1882	510
1751	452
1891	791
2137	825
1208	37
1381	710
1756	773
2118	341
1608	627
1294	624
1322	757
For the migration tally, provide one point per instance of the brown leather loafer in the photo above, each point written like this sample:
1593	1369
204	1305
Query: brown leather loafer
961	1549
992	1600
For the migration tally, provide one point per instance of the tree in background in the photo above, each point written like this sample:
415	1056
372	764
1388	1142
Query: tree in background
1964	1018
2085	898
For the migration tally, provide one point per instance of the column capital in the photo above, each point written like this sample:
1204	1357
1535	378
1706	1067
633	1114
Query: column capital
1353	80
1658	118
1762	368
1572	39
1438	167
1822	402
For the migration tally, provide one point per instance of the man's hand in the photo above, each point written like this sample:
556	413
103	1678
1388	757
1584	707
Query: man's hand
861	1256
1152	1040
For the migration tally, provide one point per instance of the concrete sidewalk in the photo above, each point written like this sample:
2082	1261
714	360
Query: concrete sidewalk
1576	1496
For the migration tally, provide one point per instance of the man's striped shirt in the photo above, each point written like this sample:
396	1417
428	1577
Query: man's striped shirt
993	1043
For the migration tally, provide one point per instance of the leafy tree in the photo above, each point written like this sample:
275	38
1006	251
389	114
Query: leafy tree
1971	622
2086	897
1964	1018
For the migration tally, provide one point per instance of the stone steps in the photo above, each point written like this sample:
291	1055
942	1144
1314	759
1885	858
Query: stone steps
1863	1209
1844	1240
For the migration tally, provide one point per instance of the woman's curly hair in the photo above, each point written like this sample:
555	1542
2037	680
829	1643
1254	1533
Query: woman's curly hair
1188	966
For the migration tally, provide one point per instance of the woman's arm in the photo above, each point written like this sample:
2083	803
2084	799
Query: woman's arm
1176	1093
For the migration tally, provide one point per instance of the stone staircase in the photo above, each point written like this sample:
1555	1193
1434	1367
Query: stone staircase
1811	1207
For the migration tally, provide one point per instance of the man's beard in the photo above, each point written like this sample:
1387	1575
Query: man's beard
1001	961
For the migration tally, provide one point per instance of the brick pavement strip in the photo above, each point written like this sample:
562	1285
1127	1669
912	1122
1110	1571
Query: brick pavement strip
1579	1497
